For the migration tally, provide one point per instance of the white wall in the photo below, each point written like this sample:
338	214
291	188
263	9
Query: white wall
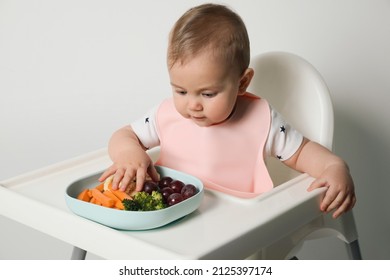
73	71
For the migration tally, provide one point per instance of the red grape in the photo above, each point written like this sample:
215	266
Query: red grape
176	186
174	199
166	192
150	186
164	182
188	190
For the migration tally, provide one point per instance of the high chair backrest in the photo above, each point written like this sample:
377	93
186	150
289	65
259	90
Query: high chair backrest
297	91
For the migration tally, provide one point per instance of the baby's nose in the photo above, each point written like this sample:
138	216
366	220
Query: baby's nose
194	104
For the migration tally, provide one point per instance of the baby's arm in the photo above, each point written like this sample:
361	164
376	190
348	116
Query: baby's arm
129	160
330	171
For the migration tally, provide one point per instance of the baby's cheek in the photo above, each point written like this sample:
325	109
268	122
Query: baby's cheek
220	113
180	108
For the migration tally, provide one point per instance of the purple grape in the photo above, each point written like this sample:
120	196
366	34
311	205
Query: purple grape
164	182
174	199
188	190
176	186
150	186
166	192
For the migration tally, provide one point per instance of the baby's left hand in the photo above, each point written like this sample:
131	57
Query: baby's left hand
340	195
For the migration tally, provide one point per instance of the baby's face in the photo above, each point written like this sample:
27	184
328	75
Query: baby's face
204	89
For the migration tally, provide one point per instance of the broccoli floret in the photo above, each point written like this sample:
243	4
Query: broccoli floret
131	205
158	200
143	201
157	196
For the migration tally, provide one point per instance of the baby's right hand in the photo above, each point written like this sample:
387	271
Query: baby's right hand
126	171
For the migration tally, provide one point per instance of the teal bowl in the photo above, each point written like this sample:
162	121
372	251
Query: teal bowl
133	220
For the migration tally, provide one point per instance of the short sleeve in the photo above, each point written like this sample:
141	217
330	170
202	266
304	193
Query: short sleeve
283	140
145	129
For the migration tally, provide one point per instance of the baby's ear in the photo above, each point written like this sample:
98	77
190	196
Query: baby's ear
245	80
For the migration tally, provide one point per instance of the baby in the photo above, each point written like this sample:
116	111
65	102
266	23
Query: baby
213	128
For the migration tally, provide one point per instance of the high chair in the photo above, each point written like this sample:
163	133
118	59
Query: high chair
269	226
297	91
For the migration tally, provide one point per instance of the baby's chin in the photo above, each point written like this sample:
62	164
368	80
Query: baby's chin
206	122
202	121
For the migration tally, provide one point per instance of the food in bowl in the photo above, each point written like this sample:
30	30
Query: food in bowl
151	198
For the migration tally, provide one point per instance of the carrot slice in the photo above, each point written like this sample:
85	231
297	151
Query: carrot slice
95	201
121	195
104	200
108	198
118	202
100	187
118	193
84	195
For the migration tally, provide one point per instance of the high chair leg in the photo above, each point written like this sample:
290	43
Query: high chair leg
353	249
78	254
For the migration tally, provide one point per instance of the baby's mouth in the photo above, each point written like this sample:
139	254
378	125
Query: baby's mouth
198	118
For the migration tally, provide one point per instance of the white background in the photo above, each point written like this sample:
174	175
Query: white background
71	72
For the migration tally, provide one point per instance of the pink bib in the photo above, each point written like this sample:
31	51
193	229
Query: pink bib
227	157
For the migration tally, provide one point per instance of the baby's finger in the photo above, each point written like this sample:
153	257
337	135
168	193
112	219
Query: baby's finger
353	202
318	183
153	173
106	174
344	207
118	176
127	179
328	199
336	202
350	203
141	175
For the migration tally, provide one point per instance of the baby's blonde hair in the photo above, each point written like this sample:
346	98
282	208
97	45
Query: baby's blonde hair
210	27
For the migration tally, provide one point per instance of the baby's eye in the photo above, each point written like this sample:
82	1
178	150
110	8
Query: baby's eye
181	92
209	94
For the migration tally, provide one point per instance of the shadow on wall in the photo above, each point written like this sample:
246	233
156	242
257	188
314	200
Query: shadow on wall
368	157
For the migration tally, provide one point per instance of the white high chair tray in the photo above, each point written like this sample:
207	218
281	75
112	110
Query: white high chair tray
223	227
